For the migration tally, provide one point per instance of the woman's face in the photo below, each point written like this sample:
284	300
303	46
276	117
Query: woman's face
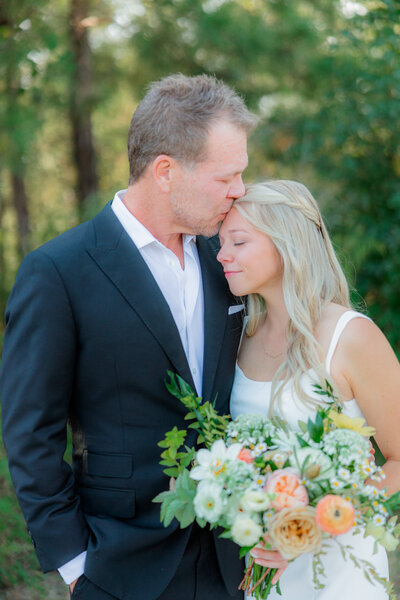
251	262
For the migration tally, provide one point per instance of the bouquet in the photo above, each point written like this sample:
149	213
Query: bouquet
264	483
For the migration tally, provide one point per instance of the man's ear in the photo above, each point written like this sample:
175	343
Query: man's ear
163	166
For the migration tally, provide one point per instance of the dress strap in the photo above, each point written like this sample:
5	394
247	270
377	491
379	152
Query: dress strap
345	318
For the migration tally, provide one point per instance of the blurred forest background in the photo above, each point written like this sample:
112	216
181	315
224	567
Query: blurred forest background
323	76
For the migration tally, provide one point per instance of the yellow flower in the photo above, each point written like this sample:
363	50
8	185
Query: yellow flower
355	424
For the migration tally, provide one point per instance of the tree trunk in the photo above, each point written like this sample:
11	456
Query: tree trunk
15	149
20	203
3	289
80	105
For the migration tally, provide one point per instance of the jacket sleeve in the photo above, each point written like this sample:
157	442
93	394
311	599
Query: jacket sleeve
36	387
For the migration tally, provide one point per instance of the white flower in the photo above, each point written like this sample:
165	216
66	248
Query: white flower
213	462
372	492
245	531
208	502
348	445
378	519
259	480
344	473
336	483
231	509
250	429
267	516
285	440
254	500
259	449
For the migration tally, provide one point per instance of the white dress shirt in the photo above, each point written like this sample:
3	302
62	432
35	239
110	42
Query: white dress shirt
183	291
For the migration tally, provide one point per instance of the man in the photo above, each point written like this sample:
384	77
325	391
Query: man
96	318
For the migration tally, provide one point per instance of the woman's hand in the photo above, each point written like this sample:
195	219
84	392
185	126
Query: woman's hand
269	558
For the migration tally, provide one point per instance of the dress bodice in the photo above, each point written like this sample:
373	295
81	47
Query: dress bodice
253	397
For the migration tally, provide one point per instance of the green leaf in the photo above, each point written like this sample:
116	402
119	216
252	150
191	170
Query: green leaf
226	534
185	388
167	463
188	515
244	550
171	510
201	522
172	386
303	426
302	443
161	497
172	472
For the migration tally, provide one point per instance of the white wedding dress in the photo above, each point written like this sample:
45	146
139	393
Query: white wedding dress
343	580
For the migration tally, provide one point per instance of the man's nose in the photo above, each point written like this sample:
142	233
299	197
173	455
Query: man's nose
237	190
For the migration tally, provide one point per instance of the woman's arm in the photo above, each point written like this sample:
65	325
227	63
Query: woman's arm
366	360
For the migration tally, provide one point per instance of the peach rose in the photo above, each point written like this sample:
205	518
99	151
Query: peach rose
334	514
287	487
245	455
294	531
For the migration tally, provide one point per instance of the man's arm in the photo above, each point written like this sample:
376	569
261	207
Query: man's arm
36	386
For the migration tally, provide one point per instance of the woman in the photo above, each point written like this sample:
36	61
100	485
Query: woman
300	330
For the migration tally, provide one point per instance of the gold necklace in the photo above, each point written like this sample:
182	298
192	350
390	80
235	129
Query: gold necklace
273	356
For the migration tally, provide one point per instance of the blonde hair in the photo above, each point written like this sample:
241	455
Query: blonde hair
312	277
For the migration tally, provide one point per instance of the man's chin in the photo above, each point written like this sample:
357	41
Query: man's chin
208	231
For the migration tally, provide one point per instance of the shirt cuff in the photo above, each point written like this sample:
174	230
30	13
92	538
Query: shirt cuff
73	568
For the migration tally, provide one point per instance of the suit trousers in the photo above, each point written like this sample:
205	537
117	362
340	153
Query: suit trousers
197	578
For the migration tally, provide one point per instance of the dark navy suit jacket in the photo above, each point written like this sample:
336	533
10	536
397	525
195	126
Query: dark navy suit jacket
90	338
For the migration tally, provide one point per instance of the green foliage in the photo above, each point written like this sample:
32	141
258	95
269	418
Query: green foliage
178	503
175	461
209	425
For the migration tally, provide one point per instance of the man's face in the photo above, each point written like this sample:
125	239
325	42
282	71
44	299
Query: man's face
202	195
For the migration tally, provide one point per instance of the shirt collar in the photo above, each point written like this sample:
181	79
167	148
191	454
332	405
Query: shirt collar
135	229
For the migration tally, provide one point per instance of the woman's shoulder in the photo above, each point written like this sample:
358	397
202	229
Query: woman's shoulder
341	324
358	338
325	328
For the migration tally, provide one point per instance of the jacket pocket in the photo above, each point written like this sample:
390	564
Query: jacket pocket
106	464
107	501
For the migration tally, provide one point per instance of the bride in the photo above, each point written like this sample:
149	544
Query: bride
302	330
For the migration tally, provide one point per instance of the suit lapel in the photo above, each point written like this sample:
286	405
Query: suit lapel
215	313
120	260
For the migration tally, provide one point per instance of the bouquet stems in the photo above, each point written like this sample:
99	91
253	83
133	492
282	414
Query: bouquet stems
258	581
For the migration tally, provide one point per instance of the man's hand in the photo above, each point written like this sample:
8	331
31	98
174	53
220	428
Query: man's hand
72	585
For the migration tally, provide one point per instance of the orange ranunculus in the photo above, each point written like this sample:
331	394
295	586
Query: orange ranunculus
245	455
334	514
287	487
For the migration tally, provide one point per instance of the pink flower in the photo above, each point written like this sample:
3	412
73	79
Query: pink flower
245	455
287	487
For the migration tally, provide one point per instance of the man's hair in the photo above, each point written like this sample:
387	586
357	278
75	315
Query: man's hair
175	116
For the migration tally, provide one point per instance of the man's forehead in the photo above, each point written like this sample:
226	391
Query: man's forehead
229	165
